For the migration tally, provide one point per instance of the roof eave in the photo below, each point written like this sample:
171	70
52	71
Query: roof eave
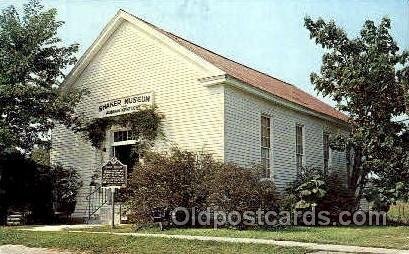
229	80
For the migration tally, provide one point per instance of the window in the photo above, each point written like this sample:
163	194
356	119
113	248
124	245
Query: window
265	145
120	136
299	145
326	150
349	162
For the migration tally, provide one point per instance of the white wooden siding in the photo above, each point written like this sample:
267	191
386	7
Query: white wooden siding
216	119
133	62
71	150
242	136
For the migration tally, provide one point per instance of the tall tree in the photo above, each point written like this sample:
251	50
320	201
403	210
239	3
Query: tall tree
32	64
368	78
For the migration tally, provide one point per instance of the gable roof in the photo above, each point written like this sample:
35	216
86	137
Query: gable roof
212	60
262	81
256	78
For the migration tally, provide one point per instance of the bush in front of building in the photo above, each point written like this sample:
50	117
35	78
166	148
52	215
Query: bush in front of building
313	189
308	188
338	197
25	188
32	188
236	189
65	182
166	181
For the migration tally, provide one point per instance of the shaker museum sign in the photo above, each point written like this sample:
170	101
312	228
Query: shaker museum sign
124	105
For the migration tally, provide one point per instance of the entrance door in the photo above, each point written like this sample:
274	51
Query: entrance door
126	155
122	148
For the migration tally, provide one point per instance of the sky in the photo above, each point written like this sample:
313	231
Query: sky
268	35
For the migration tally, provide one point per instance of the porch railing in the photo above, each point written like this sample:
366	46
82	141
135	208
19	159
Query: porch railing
96	198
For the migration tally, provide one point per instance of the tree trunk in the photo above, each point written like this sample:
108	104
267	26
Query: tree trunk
356	179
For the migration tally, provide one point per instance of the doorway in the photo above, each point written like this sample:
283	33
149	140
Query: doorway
123	148
126	155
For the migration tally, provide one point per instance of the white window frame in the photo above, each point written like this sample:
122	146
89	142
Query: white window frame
297	125
123	142
114	143
267	170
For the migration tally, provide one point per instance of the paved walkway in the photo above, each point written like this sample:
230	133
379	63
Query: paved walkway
20	249
62	227
322	248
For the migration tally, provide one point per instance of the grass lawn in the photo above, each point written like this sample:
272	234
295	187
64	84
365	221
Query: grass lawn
106	243
385	237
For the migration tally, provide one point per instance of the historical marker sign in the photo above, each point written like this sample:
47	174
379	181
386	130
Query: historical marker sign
114	174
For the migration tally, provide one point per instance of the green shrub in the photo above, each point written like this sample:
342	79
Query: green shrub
166	181
238	189
65	184
25	186
235	188
31	187
338	197
381	197
313	189
308	189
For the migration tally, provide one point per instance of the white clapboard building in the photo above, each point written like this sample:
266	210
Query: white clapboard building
210	103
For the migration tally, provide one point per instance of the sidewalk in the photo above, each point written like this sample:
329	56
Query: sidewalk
20	249
311	246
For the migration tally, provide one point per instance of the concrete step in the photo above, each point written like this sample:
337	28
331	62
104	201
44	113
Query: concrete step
93	220
105	214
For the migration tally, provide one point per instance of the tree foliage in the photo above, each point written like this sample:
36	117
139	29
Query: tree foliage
32	64
368	78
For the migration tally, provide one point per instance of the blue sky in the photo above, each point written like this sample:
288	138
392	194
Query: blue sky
267	35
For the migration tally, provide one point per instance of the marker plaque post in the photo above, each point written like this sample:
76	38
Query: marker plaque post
114	176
